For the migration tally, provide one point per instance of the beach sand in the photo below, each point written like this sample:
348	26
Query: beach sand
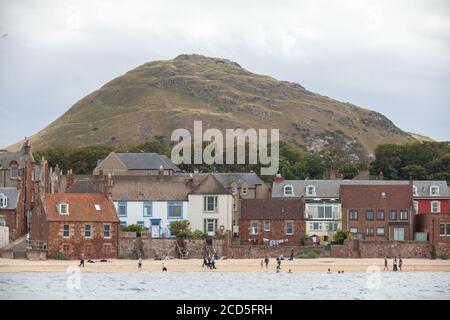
231	265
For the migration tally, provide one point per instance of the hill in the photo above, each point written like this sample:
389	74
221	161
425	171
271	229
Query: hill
152	100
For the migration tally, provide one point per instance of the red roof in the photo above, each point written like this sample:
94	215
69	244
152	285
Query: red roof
376	196
82	207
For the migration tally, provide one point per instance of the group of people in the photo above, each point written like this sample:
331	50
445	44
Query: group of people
164	268
209	262
339	271
396	265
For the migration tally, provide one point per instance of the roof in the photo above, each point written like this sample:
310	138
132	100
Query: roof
423	189
270	209
6	157
210	185
324	188
84	185
147	161
81	207
397	196
12	194
239	178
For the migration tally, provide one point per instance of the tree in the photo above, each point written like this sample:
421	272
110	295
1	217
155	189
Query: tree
340	236
180	228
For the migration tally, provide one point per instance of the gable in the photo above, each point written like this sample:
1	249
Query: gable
110	163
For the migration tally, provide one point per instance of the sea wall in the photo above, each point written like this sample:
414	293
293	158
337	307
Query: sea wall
379	249
259	251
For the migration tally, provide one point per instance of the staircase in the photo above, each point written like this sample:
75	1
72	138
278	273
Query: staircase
16	249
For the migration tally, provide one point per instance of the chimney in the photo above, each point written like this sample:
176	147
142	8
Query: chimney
108	186
27	147
70	179
279	178
161	173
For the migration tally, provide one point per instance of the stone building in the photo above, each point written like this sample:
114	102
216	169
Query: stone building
75	224
378	212
272	221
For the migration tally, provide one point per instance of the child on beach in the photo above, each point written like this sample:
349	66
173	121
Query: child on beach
81	261
400	263
394	264
266	261
164	269
385	263
140	263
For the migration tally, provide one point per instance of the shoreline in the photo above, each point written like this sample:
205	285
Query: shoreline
228	265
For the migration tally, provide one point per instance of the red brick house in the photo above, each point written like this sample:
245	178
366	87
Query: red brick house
76	223
378	212
272	219
431	197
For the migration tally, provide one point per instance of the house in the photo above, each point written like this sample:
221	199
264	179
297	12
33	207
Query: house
275	219
430	197
378	211
210	206
12	211
135	164
18	171
75	224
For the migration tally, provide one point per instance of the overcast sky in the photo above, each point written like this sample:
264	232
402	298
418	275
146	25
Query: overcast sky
388	56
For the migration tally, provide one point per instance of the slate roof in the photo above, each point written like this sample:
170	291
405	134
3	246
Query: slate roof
250	178
259	209
12	194
81	207
370	196
330	188
6	157
83	185
209	185
147	161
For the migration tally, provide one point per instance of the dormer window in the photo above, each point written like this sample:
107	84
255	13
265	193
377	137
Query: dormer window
310	190
434	191
97	207
63	208
415	192
244	190
14	170
288	190
3	201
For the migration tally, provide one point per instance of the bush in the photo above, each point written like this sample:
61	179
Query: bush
443	256
180	228
305	239
134	228
197	234
340	236
307	255
59	256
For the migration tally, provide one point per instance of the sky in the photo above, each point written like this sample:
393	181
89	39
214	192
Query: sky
389	56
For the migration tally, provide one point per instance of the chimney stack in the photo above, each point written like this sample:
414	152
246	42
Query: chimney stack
279	178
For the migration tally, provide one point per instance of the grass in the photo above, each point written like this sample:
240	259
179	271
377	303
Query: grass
307	255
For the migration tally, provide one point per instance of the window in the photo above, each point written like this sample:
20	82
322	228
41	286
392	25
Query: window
106	231
140	223
415	193
416	207
380	231
209	225
63	208
122	205
442	229
254	227
325	212
210	204
3	201
448	229
353	215
380	215
289	227
354	230
332	226
369	215
175	210
435	206
244	190
266	225
392	215
288	190
316	226
369	232
403	215
310	190
2	221
148	209
434	191
97	207
14	171
87	231
66	248
66	231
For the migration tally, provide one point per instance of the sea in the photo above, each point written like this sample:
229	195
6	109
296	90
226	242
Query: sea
225	285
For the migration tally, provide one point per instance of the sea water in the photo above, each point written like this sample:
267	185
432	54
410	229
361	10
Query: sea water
225	285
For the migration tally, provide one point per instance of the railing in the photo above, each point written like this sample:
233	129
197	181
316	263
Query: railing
37	245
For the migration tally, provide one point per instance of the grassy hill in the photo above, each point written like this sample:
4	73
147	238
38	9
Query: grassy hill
152	100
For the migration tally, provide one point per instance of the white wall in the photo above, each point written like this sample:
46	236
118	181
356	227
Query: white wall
135	213
4	236
224	211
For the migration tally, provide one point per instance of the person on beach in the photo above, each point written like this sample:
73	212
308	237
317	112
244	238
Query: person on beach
140	263
262	263
81	261
342	271
209	262
400	263
213	263
394	264
266	261
205	262
164	269
279	262
290	271
339	271
329	271
385	263
292	255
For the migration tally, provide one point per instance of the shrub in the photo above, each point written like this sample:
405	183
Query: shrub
180	228
134	228
443	256
307	255
59	256
340	236
305	239
197	234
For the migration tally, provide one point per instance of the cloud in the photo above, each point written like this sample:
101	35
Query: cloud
388	56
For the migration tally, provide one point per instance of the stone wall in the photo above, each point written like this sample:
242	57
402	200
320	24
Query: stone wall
379	249
259	251
36	255
130	248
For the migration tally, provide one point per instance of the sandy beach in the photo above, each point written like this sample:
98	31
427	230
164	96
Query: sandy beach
231	265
